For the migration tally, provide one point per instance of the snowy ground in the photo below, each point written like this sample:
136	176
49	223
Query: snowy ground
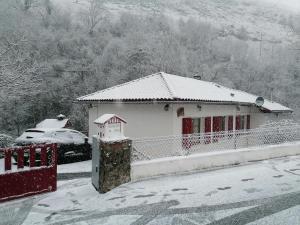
78	167
266	192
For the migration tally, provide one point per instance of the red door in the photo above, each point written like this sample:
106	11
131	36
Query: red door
207	129
187	128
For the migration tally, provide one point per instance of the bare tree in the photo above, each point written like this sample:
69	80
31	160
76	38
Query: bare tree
93	14
24	5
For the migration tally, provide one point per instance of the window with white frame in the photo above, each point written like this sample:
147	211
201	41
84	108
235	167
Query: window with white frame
196	125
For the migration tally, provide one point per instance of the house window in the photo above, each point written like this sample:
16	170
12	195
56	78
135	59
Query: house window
230	123
222	123
238	122
242	122
248	122
196	125
180	112
218	123
191	125
207	123
218	126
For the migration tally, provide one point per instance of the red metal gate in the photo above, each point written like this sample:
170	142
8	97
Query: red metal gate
40	176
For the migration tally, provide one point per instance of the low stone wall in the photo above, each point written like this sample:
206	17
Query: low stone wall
181	164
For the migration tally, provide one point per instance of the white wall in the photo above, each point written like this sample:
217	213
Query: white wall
191	110
180	164
143	120
150	120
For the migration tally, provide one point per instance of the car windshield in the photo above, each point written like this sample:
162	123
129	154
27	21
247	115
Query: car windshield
34	131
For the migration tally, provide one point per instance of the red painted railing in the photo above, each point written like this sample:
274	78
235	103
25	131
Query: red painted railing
34	177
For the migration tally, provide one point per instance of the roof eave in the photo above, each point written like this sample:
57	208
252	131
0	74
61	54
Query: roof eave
276	111
174	100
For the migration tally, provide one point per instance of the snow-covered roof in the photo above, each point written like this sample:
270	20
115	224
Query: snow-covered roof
106	117
167	87
52	123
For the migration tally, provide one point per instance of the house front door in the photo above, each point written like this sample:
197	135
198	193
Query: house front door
187	128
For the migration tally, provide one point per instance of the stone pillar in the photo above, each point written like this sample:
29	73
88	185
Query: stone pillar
113	167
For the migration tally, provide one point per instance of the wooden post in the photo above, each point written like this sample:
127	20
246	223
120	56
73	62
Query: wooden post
7	159
44	156
20	158
32	156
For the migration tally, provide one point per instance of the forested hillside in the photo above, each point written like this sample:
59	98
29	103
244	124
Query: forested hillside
51	53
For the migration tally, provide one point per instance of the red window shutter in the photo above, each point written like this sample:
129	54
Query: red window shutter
217	123
207	128
220	123
187	128
230	123
238	122
248	122
187	125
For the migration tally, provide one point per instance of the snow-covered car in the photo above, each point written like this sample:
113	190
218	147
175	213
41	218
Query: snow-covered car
71	143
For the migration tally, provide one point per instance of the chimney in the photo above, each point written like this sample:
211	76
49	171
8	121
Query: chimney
61	117
197	77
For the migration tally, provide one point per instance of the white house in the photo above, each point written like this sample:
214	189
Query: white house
163	104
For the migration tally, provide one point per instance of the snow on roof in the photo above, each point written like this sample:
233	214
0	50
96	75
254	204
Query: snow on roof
167	87
105	117
52	123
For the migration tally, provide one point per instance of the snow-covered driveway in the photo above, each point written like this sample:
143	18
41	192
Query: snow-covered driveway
265	192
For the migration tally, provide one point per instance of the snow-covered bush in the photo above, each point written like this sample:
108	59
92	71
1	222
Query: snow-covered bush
281	131
279	124
5	140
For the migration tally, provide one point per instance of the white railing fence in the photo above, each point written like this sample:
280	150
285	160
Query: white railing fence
167	146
